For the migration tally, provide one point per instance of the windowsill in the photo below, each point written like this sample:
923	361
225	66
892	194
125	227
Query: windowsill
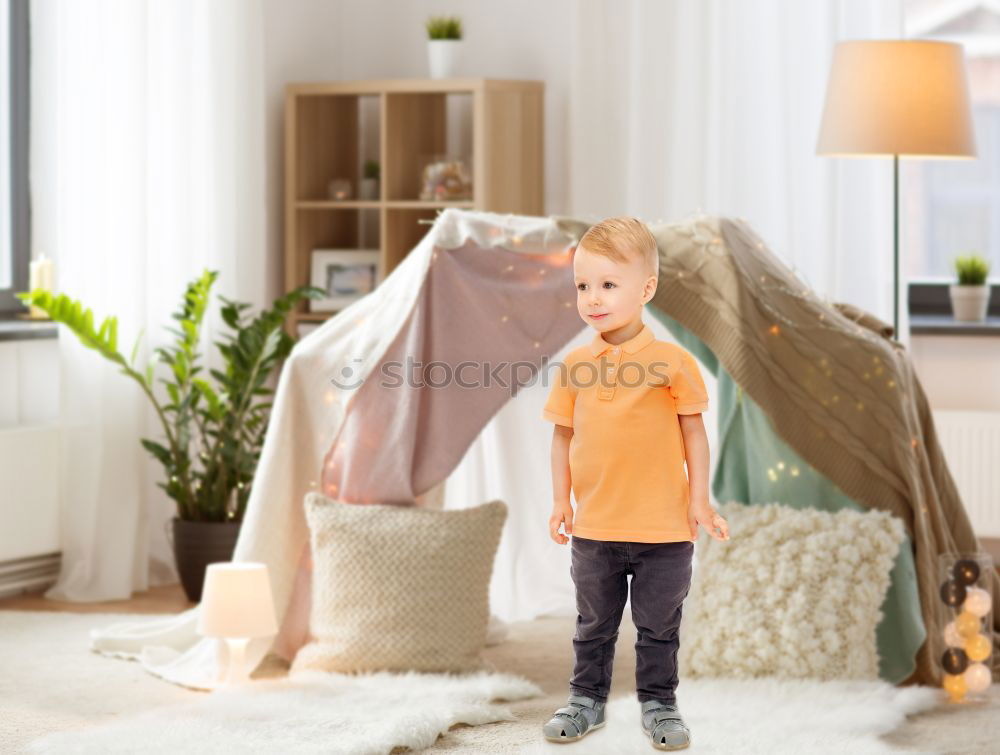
15	329
931	314
946	325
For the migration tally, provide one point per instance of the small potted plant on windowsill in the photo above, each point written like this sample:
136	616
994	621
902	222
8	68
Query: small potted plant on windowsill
444	45
970	297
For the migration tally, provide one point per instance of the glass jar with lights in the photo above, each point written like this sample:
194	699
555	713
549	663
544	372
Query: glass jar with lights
965	621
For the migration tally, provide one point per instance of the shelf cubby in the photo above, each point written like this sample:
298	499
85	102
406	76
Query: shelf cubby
332	129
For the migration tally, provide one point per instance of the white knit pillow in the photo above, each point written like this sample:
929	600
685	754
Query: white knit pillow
399	588
793	593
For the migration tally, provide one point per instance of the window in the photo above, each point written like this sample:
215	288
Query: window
14	220
962	199
952	207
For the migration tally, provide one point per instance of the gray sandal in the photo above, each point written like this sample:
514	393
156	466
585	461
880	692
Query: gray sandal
666	729
576	719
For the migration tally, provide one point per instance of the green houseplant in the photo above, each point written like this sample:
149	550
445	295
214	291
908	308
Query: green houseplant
970	296
444	45
212	425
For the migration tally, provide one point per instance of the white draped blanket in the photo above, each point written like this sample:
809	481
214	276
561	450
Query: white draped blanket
405	313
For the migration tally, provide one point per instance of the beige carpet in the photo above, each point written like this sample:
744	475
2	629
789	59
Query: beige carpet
541	651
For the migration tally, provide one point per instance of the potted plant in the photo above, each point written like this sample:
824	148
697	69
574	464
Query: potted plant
970	297
212	426
444	43
369	183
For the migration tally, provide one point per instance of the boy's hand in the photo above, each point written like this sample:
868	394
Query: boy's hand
702	513
562	513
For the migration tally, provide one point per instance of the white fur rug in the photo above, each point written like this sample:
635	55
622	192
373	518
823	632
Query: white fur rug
58	696
312	712
767	716
317	712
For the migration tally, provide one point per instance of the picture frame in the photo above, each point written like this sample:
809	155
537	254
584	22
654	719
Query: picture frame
345	274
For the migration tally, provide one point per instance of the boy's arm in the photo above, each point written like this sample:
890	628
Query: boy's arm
562	510
696	454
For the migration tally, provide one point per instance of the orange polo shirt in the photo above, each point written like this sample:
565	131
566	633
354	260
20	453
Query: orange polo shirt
626	457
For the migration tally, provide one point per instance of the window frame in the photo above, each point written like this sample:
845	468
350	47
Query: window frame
20	210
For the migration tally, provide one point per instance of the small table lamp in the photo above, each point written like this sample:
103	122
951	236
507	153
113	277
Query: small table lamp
237	605
892	98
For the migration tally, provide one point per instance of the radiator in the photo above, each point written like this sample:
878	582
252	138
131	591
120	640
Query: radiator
29	574
971	444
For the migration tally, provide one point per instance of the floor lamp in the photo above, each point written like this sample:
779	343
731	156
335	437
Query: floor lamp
892	98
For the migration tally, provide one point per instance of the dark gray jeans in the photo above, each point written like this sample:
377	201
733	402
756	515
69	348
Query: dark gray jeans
661	578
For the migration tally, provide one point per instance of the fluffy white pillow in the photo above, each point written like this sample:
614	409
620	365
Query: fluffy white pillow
794	593
399	588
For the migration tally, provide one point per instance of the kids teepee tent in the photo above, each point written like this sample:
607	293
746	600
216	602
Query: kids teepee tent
485	289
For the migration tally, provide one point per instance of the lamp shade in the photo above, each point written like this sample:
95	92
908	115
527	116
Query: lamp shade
236	601
897	97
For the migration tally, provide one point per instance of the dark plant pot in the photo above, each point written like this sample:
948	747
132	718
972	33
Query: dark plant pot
198	544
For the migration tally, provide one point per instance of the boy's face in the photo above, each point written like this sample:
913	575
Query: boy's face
610	294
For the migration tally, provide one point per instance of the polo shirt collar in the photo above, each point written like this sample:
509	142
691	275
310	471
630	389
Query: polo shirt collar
632	345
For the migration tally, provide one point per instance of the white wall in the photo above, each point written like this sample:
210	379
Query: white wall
958	372
29	448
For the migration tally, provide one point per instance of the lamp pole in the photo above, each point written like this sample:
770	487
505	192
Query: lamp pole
895	246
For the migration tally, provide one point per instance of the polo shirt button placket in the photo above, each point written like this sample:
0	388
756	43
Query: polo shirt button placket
611	376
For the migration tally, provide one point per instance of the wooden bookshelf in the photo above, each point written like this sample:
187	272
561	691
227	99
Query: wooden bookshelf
332	129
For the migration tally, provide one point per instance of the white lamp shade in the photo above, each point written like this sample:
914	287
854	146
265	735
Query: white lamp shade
897	97
236	601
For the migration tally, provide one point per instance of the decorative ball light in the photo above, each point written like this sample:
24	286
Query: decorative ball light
967	624
951	636
977	602
966	571
955	686
966	627
953	593
977	648
954	660
977	677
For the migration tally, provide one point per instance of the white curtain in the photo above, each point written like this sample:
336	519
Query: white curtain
147	167
714	106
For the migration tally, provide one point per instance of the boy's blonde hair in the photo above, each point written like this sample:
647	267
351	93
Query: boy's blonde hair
622	238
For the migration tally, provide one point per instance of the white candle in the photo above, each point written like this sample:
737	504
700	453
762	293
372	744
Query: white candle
40	276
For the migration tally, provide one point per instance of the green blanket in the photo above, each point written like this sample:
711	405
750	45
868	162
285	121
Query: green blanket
747	448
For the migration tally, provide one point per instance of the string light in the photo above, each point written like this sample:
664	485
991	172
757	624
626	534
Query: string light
702	235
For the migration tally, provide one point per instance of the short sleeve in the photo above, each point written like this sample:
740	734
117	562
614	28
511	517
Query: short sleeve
562	396
687	387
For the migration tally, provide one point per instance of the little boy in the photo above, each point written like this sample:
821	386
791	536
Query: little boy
627	413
